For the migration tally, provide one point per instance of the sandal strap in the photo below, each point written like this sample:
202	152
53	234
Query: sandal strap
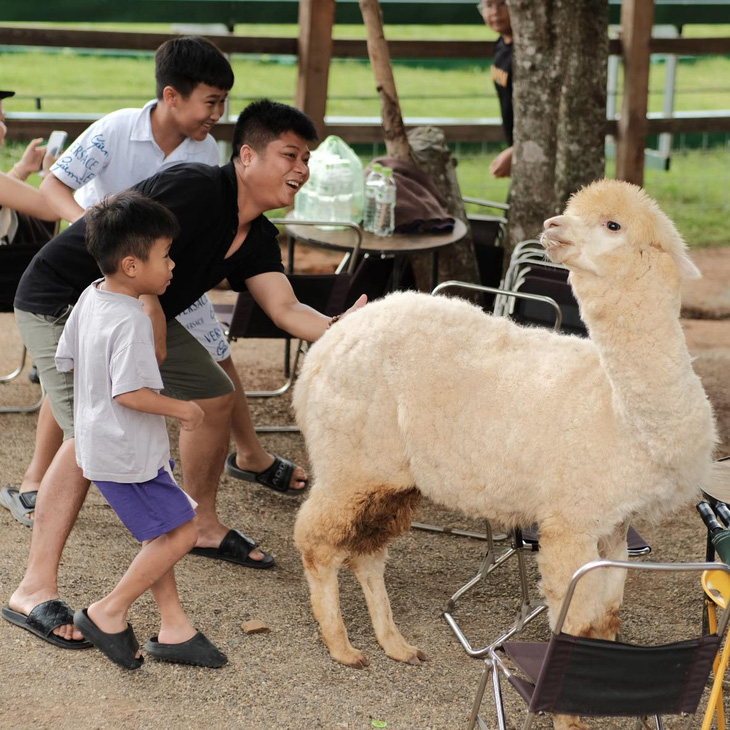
50	615
27	499
278	475
238	544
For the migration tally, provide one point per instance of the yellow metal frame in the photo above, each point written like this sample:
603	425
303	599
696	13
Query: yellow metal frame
717	589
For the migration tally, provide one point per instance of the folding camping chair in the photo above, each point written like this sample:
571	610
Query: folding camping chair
14	259
717	591
572	675
487	232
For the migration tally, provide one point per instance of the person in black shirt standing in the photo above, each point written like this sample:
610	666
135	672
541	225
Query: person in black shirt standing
496	16
224	234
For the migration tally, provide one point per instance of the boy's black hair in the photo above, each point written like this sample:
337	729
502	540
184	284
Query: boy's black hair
126	224
263	121
185	62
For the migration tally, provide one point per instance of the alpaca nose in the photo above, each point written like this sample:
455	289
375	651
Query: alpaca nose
553	222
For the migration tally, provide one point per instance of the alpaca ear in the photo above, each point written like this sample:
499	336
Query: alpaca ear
686	267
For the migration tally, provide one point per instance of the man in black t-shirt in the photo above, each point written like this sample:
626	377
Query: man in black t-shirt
223	235
496	16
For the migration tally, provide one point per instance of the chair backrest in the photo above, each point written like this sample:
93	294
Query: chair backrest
32	234
586	676
327	293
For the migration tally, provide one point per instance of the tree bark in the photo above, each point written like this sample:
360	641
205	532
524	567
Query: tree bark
580	154
394	130
560	61
431	153
536	86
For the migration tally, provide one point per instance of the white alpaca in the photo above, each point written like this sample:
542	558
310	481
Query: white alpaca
428	395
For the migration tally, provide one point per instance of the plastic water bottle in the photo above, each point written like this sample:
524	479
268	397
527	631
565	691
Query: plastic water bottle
385	205
372	183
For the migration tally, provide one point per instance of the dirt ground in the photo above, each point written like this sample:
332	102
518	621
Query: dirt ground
284	680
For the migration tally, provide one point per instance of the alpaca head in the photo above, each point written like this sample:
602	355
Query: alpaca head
608	226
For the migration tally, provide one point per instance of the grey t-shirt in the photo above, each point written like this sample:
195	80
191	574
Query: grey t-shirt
109	345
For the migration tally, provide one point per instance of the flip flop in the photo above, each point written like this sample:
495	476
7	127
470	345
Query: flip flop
120	648
198	651
235	548
43	619
277	476
20	505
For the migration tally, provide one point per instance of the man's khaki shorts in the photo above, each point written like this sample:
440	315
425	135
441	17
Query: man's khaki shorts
188	373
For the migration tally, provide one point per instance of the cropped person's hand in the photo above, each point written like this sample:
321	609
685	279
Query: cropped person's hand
193	418
502	164
32	158
48	160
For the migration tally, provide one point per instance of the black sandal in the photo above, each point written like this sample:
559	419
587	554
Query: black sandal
277	476
43	619
235	548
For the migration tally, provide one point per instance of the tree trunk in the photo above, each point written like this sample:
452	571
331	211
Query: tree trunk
560	60
536	86
394	130
431	153
580	157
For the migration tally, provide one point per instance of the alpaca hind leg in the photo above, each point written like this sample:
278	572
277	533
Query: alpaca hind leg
321	567
370	571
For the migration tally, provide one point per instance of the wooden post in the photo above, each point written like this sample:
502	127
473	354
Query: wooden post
314	48
637	17
394	130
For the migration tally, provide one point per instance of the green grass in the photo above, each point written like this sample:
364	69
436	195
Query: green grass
695	192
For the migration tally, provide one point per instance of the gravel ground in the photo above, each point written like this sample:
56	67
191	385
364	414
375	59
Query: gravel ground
284	680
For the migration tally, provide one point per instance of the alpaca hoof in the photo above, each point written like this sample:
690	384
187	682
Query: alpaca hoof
353	658
410	655
564	722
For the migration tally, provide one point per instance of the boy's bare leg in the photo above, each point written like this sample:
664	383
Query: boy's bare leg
48	440
203	453
61	494
174	624
153	564
250	454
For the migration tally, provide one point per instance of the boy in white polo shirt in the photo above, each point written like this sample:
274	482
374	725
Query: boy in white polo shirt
119	427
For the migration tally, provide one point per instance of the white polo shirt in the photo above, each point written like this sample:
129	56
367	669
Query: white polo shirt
124	137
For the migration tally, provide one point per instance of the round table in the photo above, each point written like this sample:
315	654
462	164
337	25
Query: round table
398	245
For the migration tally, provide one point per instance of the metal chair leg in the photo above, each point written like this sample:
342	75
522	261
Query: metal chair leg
474	714
10	377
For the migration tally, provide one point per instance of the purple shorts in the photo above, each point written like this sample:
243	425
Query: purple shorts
149	509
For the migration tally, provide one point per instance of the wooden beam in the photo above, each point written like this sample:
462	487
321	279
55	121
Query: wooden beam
341	48
316	20
637	17
22	126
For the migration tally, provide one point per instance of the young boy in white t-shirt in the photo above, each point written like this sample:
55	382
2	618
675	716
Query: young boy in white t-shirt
120	431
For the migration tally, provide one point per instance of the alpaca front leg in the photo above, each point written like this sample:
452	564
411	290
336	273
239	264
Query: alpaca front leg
561	553
321	568
613	547
370	571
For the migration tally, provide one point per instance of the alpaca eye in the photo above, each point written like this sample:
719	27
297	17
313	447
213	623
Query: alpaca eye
613	226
